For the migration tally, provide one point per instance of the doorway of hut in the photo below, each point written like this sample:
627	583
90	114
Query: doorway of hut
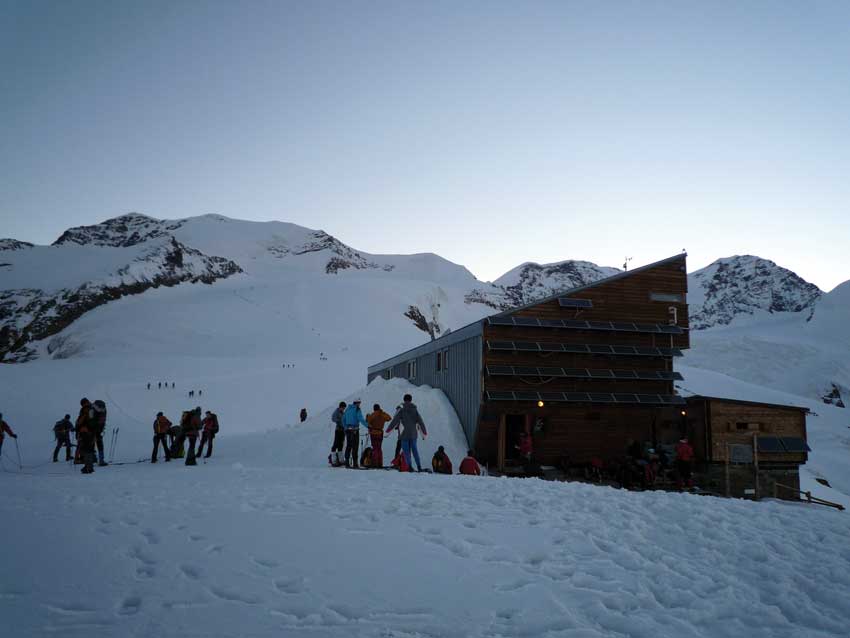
514	426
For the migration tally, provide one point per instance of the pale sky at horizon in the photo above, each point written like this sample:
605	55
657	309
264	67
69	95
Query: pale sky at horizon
491	133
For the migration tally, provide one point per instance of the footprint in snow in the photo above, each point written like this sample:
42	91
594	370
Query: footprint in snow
233	596
151	537
196	537
264	562
191	572
130	606
290	585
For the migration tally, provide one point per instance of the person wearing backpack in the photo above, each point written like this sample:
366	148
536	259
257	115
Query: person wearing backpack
191	429
85	429
4	430
334	457
210	430
161	426
352	419
62	431
99	408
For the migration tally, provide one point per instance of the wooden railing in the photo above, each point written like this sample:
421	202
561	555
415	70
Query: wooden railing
812	499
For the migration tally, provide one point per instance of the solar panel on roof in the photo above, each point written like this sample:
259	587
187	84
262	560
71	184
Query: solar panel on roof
625	374
551	372
500	396
601	397
625	397
770	444
647	375
670	352
551	323
601	374
526	345
574	323
676	352
599	325
646	327
551	396
526	371
648	398
500	321
664	375
576	372
794	444
623	349
599	349
577	397
677	400
551	347
500	345
526	321
624	326
671	330
526	396
569	302
500	370
646	351
575	347
677	376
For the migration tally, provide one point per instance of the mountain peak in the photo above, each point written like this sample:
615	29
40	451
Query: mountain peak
8	243
122	231
743	285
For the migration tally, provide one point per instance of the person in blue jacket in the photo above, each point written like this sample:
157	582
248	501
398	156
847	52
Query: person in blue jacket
352	418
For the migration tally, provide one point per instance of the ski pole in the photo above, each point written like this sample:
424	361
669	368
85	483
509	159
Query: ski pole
115	445
18	448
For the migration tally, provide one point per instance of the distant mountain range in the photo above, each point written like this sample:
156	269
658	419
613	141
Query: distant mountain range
739	303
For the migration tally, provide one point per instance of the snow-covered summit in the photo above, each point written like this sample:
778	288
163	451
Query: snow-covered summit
745	285
13	244
530	281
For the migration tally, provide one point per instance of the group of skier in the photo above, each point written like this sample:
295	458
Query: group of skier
407	420
174	438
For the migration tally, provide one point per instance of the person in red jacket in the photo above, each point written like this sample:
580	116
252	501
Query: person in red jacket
469	465
4	430
684	460
208	434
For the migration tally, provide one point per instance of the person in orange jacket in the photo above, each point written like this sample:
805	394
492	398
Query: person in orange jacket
376	420
161	425
684	460
440	462
4	430
469	465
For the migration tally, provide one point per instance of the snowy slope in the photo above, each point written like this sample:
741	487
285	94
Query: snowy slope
266	540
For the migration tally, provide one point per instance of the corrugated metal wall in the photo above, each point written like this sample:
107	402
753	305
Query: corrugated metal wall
461	382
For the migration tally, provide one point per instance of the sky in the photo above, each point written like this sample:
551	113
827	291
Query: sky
492	133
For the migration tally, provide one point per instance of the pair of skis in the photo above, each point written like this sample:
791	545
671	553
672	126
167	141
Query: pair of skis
113	443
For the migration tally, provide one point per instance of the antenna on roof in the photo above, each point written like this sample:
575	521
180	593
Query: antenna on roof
626	263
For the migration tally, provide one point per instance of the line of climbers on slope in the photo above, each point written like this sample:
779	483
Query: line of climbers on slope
347	420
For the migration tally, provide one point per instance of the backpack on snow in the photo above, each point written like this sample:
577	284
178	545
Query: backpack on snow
366	458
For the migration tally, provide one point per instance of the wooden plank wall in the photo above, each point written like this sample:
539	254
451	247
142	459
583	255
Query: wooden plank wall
772	420
584	431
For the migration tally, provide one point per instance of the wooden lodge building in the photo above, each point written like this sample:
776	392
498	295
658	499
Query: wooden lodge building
585	372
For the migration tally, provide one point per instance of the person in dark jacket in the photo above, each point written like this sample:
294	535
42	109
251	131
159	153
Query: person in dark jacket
441	463
303	415
411	422
4	430
334	457
161	426
99	408
62	431
191	428
210	423
352	419
85	429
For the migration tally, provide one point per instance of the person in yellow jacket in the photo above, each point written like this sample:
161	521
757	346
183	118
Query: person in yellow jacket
161	426
376	422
